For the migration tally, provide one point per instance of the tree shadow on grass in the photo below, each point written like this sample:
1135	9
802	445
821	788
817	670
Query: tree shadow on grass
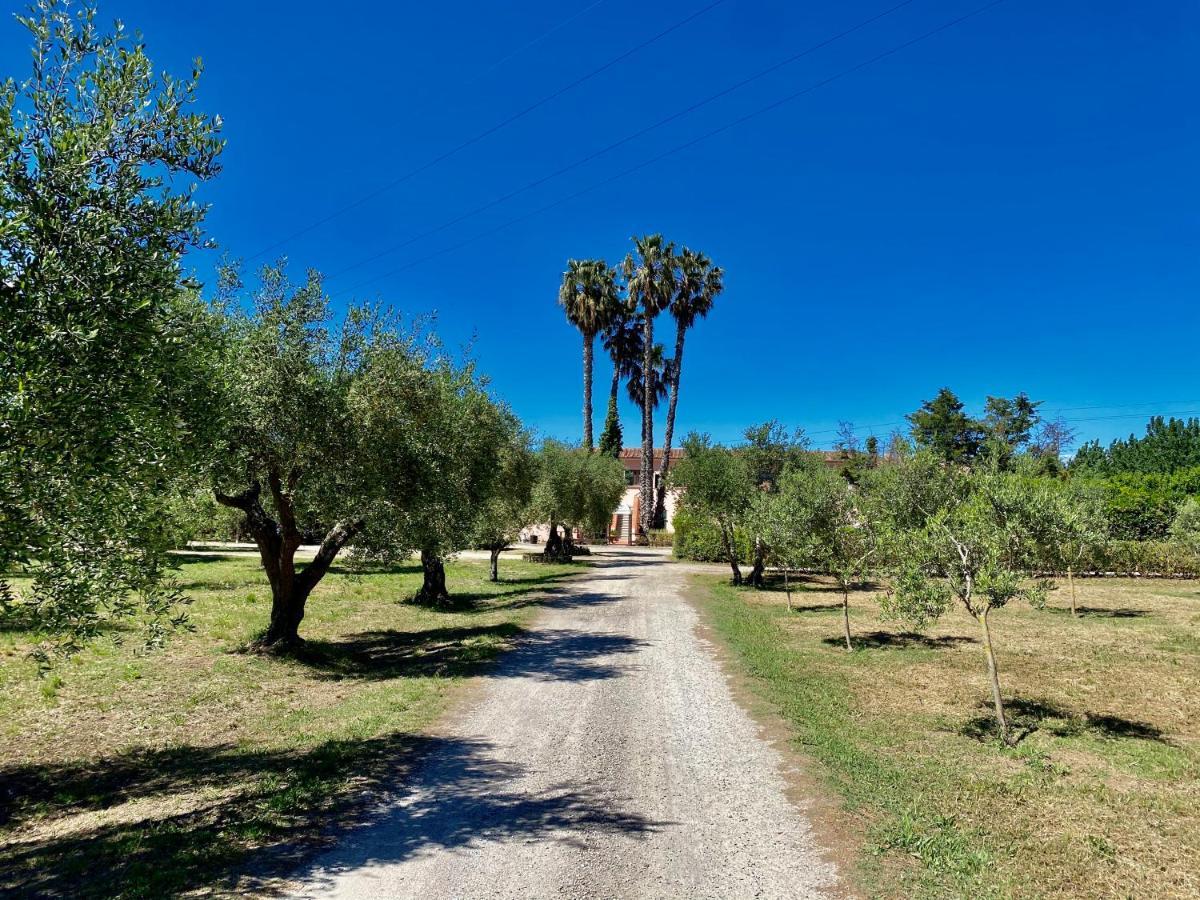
1100	612
1027	716
900	640
200	810
554	655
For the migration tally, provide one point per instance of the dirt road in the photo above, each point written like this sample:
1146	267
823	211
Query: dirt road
605	757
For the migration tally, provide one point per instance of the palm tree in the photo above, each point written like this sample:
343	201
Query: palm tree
589	295
650	276
623	341
698	286
660	378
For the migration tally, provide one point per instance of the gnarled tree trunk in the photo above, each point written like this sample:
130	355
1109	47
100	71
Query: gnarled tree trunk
760	563
494	564
433	586
277	543
731	554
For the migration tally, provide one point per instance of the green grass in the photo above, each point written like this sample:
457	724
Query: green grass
1101	796
150	775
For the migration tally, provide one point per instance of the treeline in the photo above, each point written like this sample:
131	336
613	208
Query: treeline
131	403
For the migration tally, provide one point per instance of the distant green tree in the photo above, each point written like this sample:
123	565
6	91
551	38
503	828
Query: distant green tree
1008	427
1076	526
769	450
106	374
589	295
697	288
969	535
941	426
574	488
1185	529
717	486
507	509
1168	446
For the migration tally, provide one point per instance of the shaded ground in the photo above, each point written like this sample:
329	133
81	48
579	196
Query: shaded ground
148	776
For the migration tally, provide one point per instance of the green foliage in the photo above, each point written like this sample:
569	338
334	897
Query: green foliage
1168	446
1142	505
1185	530
611	437
106	376
575	487
506	511
941	426
699	538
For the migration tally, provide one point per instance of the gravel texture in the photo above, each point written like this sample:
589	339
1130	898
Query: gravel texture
604	757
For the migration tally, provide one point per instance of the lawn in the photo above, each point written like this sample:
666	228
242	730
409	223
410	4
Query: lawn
1100	797
147	775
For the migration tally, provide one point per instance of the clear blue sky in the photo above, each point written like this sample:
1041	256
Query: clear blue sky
1009	205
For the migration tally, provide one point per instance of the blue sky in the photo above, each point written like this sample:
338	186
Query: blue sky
1009	205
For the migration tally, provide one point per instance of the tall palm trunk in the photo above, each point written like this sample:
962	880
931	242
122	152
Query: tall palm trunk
646	512
660	501
589	341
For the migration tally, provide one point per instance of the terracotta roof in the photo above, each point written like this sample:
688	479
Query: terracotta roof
635	453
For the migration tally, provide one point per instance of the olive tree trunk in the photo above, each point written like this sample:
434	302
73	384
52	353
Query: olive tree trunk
1071	584
993	676
494	564
731	554
433	586
760	563
277	544
846	615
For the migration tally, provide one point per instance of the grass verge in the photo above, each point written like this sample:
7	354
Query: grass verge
126	775
1100	798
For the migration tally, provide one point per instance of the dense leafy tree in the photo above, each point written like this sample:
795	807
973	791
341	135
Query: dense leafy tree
590	297
697	288
650	273
717	486
769	450
354	428
942	426
499	519
1076	527
1008	427
1168	445
575	488
834	519
969	535
105	379
1185	529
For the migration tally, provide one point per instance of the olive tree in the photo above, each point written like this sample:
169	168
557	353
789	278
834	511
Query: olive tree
574	488
499	519
1077	525
769	450
717	487
957	534
105	379
351	427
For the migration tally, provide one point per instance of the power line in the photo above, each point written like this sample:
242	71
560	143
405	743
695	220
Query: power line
533	43
762	73
475	139
681	147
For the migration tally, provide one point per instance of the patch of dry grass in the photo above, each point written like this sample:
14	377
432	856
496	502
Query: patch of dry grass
1100	798
154	775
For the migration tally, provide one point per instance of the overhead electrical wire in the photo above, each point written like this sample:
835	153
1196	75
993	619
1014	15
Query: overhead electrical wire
596	154
679	147
487	132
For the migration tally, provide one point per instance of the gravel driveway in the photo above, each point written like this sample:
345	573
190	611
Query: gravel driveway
604	757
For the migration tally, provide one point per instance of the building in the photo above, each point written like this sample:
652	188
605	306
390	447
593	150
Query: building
624	526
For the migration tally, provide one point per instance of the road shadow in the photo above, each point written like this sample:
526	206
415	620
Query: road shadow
199	810
1027	716
900	640
463	796
548	654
